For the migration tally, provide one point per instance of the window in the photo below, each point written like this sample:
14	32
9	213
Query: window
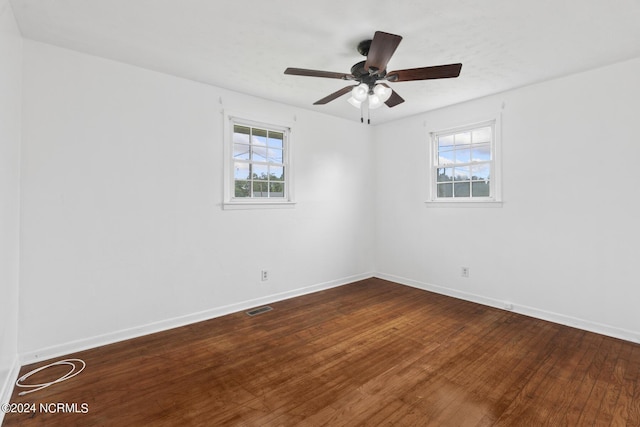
257	171
464	167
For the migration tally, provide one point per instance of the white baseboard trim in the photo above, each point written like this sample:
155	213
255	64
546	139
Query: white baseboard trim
163	325
587	325
8	384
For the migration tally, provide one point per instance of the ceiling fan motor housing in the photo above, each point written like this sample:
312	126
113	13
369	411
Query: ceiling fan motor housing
362	75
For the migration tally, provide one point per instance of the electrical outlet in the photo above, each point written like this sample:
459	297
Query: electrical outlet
264	275
464	271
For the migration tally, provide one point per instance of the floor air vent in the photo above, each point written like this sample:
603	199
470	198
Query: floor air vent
260	310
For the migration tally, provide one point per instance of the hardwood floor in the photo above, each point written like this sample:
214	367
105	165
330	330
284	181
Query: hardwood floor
369	353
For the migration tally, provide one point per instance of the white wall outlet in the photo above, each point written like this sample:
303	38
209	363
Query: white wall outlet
264	275
464	271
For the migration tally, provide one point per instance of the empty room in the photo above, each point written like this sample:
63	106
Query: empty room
338	213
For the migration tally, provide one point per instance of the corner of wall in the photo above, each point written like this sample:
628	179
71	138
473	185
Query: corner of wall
10	378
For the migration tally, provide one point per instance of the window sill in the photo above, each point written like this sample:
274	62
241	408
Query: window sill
258	205
463	204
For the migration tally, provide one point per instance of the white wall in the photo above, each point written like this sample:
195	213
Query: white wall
122	188
564	246
10	105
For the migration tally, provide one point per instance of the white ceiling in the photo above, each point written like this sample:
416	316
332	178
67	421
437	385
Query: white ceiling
245	45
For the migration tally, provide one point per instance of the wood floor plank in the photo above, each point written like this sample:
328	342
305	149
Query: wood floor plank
369	353
601	380
633	374
619	415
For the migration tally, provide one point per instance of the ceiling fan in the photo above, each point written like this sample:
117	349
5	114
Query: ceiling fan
371	74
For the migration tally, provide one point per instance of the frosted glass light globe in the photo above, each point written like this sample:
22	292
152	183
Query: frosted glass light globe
360	92
383	92
374	101
354	102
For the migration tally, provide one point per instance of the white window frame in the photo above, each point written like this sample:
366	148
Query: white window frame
232	202
495	198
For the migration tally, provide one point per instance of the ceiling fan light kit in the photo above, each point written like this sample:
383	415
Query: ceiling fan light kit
371	74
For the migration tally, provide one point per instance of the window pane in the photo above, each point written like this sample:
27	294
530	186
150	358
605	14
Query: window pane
481	189
481	135
260	172
242	188
463	156
259	153
465	162
259	137
445	174
275	139
276	173
481	172
462	174
241	129
241	151
274	155
276	189
241	134
446	157
461	189
241	171
445	190
481	153
260	189
463	138
445	141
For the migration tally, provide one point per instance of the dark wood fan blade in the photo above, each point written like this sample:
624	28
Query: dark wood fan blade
394	99
382	48
425	73
317	73
333	96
